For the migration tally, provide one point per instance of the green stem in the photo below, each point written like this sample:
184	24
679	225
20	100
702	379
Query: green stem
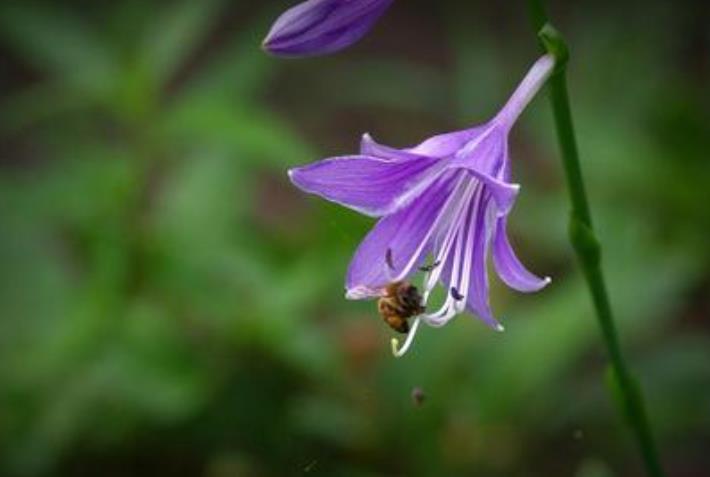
586	245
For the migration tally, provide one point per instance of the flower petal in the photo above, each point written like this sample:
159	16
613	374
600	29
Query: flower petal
503	193
441	145
398	243
370	147
508	267
367	184
484	156
444	145
317	27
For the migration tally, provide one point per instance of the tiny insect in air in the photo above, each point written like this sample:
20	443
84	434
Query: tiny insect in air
400	302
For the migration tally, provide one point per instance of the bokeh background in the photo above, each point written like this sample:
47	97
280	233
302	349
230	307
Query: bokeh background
171	305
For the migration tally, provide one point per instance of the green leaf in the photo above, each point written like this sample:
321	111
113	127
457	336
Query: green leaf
56	41
175	34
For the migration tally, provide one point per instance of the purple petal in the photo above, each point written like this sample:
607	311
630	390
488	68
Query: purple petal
486	158
318	27
444	145
441	146
406	234
369	147
482	156
369	185
503	193
508	267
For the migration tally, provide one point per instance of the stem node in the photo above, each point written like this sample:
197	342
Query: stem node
553	43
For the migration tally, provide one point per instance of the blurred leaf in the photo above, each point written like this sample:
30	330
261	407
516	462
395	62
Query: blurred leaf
175	34
237	71
58	42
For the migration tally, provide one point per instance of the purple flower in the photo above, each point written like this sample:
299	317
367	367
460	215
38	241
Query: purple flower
318	27
448	198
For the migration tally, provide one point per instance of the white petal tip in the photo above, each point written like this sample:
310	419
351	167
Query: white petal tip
361	292
547	280
499	328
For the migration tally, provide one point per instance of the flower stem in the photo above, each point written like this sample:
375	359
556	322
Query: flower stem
586	245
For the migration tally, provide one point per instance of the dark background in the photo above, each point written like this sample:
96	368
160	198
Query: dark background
171	305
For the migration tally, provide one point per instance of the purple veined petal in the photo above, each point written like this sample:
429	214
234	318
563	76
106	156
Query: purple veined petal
486	152
406	234
485	157
445	145
318	27
503	193
370	147
478	295
367	184
441	145
509	268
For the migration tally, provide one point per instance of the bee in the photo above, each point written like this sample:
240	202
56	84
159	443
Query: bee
399	302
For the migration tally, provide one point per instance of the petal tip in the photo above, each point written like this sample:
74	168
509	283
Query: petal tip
499	328
360	292
291	175
543	282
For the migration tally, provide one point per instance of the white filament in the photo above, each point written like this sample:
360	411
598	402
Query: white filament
398	353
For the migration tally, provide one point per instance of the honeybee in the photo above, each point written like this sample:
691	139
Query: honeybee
400	301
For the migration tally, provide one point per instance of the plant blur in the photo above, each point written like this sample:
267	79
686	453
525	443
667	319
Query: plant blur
171	305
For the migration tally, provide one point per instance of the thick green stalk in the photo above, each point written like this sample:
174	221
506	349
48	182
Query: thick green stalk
587	247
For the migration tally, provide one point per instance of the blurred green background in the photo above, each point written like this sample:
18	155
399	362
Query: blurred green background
171	305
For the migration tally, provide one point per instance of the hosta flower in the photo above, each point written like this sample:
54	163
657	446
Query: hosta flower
317	27
447	198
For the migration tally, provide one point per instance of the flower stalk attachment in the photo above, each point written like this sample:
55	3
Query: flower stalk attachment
586	246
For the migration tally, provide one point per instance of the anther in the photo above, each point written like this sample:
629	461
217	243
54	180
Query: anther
388	259
429	268
456	295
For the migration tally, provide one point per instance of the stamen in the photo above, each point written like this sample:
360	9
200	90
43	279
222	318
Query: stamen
448	308
471	234
435	226
441	317
450	237
398	353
